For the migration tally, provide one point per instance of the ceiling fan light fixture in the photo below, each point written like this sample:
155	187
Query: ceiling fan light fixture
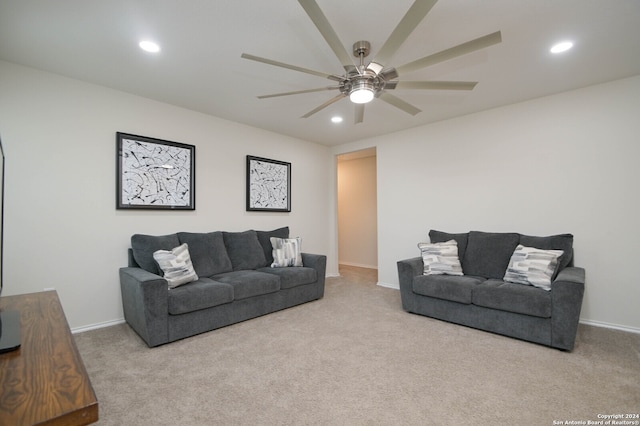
361	96
362	92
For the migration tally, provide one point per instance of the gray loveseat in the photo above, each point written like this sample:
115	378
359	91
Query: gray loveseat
482	299
235	283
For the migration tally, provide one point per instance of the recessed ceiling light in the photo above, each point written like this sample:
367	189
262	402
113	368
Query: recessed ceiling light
561	47
336	119
149	46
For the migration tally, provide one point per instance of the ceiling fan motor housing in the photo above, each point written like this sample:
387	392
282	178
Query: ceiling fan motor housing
362	78
366	81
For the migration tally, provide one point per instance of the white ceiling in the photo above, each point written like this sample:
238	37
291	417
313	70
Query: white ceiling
200	67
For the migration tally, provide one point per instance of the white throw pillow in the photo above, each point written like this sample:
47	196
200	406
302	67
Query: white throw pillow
176	265
286	252
440	258
532	266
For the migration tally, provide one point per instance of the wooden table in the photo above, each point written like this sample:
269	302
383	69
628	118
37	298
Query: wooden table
44	382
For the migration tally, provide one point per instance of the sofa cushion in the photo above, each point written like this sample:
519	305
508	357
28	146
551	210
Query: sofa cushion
264	237
248	283
532	266
143	247
440	258
562	242
244	250
286	252
456	289
293	277
521	299
176	265
461	239
201	294
488	253
208	253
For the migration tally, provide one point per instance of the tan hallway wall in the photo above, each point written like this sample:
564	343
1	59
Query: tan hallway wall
357	211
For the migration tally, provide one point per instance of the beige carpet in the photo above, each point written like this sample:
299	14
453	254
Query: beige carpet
356	358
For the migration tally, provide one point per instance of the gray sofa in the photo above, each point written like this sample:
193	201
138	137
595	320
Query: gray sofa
482	299
235	283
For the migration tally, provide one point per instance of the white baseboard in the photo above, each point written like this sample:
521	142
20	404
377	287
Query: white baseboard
625	328
387	285
612	326
96	326
358	265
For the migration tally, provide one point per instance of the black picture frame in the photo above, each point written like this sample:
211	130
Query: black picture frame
268	185
154	174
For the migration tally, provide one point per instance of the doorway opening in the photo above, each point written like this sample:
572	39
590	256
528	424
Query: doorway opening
357	211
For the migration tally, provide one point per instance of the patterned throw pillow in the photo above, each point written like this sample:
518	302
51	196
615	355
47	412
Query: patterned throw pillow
286	252
440	258
532	266
176	265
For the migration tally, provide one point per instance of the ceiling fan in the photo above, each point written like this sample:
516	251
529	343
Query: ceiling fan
363	82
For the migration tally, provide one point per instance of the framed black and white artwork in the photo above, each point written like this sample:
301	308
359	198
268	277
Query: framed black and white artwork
268	185
154	174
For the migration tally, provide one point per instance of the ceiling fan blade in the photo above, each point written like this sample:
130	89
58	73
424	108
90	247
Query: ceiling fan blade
322	23
399	103
298	92
324	105
409	22
359	117
291	67
445	55
434	85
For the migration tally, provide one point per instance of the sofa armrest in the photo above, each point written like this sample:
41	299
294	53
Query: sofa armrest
567	291
145	304
319	263
407	270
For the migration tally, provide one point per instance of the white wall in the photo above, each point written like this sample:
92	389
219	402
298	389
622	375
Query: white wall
357	212
563	163
61	226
